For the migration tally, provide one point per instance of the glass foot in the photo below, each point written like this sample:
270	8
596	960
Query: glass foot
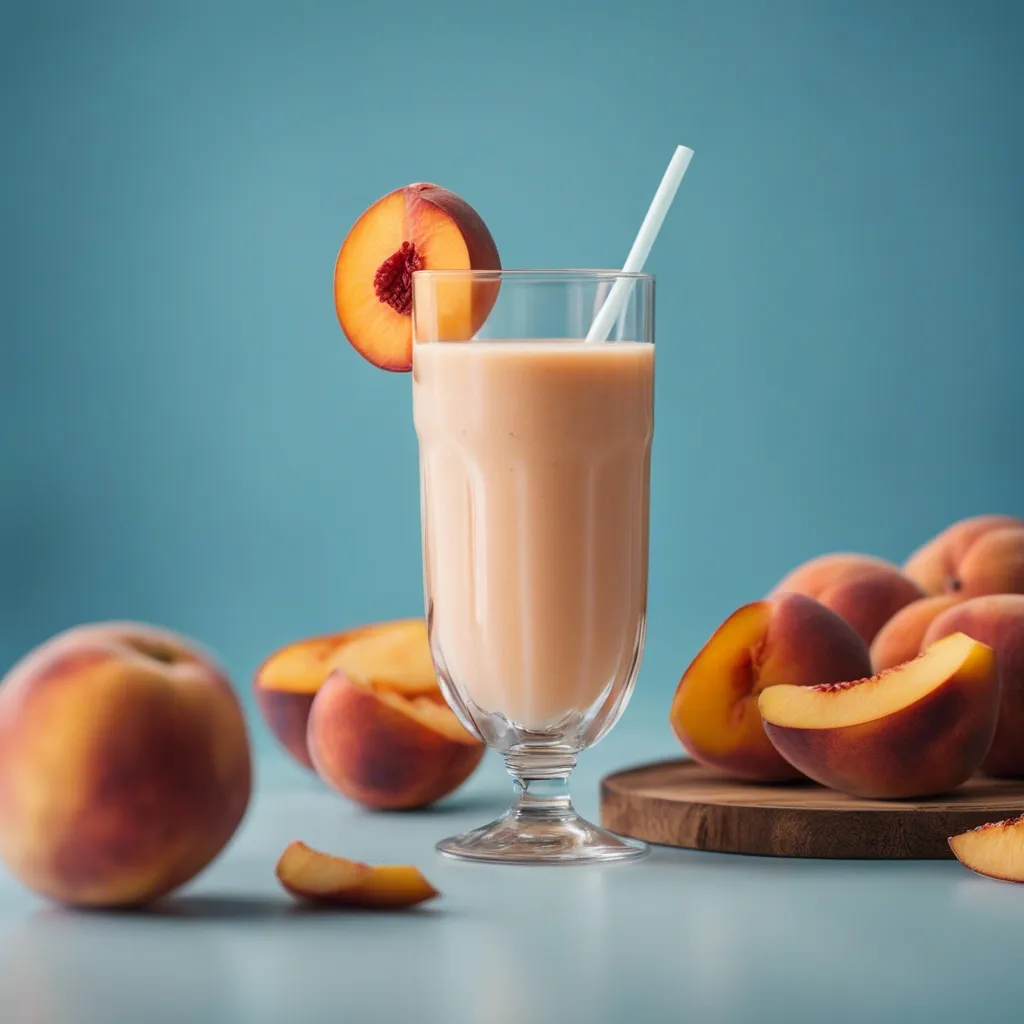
526	839
542	826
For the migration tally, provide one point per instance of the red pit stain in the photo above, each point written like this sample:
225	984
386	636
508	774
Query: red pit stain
392	283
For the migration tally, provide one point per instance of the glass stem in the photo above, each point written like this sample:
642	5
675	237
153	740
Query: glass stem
542	783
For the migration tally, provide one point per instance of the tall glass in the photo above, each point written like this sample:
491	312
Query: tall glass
535	453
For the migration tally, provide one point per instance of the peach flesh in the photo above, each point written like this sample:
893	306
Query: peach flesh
995	849
309	874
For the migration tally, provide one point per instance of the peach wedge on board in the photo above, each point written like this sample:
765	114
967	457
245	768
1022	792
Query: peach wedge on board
916	730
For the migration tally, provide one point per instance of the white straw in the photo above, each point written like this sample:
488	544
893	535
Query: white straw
648	232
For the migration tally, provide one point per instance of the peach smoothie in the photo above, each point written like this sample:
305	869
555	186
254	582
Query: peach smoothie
535	466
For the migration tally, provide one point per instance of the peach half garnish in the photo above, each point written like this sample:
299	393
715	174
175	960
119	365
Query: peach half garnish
418	227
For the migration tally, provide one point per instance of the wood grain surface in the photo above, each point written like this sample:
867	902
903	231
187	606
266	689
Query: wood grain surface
681	803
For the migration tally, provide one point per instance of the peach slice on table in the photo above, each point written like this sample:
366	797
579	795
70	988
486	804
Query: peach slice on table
418	227
916	730
995	849
395	654
790	639
322	878
384	749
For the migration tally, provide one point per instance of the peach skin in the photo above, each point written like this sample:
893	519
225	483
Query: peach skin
124	765
385	750
418	227
996	620
791	639
899	640
980	555
863	590
916	730
395	654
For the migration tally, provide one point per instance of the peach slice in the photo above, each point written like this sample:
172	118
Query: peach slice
395	654
392	887
864	590
964	558
919	729
386	750
995	849
790	639
323	878
418	227
309	874
900	639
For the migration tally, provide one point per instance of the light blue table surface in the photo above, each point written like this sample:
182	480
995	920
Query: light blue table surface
678	936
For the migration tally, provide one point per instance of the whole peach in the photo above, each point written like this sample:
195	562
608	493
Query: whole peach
900	638
996	620
864	590
975	556
124	765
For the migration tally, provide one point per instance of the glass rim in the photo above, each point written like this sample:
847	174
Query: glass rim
542	273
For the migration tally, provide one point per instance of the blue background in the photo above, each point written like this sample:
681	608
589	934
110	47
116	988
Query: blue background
187	438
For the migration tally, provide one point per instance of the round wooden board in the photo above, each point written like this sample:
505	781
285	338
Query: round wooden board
681	803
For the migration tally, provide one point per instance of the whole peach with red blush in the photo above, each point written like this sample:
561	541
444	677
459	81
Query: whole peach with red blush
125	765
